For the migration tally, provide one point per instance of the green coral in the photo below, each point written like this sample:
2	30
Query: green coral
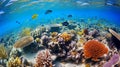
3	52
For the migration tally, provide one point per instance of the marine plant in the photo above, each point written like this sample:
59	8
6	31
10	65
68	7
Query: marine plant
14	62
94	49
65	36
43	59
3	52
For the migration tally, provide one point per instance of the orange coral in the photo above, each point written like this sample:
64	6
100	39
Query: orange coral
53	34
94	49
66	36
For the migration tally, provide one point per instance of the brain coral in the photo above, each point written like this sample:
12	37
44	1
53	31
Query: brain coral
66	36
24	41
94	49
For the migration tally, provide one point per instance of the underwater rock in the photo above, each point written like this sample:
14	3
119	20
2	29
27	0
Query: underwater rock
94	49
32	48
43	59
23	42
113	60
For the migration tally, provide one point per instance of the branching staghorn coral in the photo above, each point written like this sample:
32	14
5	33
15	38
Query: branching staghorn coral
3	52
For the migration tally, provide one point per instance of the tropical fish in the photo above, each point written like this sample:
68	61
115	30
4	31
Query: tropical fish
34	16
48	11
18	22
69	16
65	23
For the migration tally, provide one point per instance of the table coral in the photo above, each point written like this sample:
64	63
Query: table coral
94	49
24	41
66	36
43	59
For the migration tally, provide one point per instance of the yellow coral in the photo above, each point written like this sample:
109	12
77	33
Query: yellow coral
26	32
3	52
80	32
53	34
14	62
66	36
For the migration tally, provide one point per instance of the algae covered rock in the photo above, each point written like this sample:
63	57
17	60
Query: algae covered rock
23	42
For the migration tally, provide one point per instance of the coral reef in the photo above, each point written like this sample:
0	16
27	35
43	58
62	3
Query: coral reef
94	49
14	62
3	52
65	36
43	59
24	41
113	60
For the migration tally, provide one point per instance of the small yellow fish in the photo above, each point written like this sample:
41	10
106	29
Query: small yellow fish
34	16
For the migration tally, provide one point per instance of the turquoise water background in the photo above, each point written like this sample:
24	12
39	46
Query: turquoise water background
22	11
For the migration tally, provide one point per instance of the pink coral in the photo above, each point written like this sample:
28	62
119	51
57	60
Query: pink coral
94	49
43	59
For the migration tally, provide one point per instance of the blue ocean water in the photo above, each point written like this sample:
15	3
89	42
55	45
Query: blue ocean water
13	11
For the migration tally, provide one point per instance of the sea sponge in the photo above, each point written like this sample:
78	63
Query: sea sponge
43	59
94	49
14	62
24	41
3	52
66	36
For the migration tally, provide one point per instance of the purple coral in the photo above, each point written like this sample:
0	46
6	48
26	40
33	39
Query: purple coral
114	59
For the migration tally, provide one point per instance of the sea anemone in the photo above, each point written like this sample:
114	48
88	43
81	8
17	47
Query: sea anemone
94	49
43	59
66	36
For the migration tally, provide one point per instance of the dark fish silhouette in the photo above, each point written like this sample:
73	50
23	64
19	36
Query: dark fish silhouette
65	23
48	11
18	22
69	16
